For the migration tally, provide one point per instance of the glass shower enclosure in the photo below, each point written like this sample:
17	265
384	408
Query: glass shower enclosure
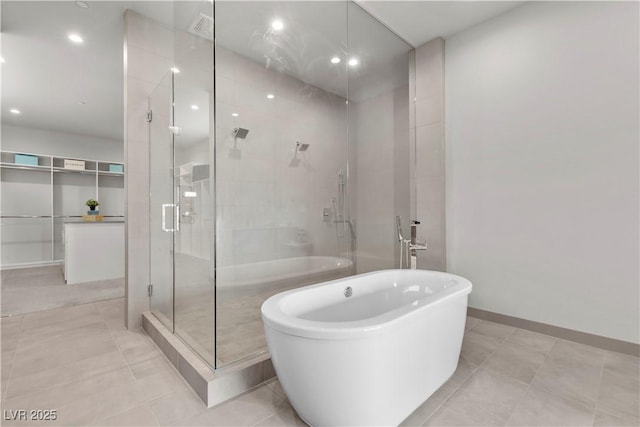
279	158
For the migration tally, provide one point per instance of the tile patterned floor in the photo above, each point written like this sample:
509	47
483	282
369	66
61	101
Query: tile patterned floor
81	361
27	290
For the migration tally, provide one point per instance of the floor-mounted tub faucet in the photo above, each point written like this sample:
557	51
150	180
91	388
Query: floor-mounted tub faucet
408	247
414	245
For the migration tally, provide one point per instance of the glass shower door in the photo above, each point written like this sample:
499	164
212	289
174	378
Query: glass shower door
162	214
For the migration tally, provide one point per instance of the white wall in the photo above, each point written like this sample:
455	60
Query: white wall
542	164
62	144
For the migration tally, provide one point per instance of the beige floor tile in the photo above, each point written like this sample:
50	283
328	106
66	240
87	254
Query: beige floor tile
622	364
176	408
429	407
49	317
493	330
540	408
277	388
9	344
156	365
36	338
245	410
135	346
10	333
448	417
572	381
43	289
619	393
486	391
578	355
60	353
159	385
58	330
112	312
284	417
9	321
6	364
60	395
476	347
138	416
65	374
515	361
532	340
102	403
471	322
603	419
10	324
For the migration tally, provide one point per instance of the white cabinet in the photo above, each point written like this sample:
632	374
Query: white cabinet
93	251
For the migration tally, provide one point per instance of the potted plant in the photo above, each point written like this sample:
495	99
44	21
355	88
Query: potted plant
92	203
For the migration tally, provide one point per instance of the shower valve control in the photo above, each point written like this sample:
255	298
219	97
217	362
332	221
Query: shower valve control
326	214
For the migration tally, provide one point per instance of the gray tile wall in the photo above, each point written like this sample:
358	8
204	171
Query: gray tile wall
428	169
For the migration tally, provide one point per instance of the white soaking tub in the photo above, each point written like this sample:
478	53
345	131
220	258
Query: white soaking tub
366	350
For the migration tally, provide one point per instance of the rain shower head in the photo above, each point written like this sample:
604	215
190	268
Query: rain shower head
240	133
301	147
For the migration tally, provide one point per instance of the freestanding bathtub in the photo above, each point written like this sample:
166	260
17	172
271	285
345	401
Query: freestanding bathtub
366	350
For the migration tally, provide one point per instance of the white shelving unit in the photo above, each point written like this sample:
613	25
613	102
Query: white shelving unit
37	199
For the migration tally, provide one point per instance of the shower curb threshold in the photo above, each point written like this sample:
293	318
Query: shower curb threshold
213	387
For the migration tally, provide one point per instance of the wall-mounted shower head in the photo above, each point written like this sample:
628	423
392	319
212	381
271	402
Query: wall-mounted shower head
240	133
301	147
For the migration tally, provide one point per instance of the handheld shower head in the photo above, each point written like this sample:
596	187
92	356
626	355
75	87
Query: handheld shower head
301	147
240	133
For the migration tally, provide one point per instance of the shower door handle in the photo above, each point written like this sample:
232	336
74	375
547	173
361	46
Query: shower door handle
164	217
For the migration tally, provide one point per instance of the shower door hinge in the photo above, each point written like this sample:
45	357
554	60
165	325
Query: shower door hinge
149	116
150	289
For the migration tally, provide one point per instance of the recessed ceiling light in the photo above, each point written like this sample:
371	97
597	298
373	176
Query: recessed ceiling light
353	62
235	114
335	60
270	96
175	70
82	4
195	107
75	38
15	111
277	25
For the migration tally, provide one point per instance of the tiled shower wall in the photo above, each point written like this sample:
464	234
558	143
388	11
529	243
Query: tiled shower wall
383	191
270	203
429	204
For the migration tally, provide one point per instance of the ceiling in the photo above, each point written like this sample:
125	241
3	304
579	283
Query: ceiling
421	21
53	81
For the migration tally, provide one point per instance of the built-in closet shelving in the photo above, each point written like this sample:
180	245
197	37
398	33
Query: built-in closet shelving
38	199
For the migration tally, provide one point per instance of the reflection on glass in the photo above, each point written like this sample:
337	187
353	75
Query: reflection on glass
311	132
161	202
378	80
192	177
281	144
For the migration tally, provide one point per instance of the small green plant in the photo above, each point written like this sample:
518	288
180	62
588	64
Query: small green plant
92	203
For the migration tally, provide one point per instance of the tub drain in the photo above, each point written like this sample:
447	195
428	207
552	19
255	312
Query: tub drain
348	291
